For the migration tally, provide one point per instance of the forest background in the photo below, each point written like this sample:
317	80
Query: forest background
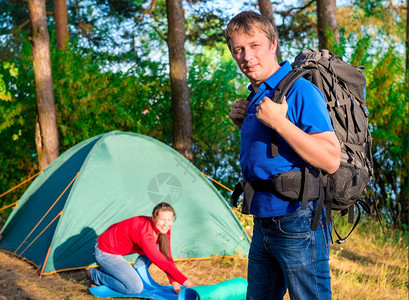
73	69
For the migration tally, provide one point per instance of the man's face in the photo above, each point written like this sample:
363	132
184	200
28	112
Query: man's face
255	55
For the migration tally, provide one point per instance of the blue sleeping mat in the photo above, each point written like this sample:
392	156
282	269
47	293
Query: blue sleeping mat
233	289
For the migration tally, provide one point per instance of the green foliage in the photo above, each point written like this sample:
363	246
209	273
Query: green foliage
215	84
12	17
380	51
115	77
127	8
9	111
387	101
90	101
17	123
206	27
4	94
298	28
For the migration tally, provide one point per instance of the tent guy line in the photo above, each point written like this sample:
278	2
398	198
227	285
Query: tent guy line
20	184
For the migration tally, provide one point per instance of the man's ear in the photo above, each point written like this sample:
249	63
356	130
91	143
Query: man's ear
274	46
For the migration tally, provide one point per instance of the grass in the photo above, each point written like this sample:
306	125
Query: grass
370	265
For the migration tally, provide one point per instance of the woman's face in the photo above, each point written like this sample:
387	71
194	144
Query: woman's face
163	221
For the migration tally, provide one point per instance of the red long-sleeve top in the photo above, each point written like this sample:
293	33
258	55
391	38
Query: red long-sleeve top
135	235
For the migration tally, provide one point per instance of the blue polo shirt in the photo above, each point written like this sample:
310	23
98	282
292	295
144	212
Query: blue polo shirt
306	109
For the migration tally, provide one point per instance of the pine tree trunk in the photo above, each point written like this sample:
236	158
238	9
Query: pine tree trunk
407	40
182	115
46	136
61	24
327	25
266	9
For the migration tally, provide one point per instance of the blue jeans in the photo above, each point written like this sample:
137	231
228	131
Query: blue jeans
115	272
286	253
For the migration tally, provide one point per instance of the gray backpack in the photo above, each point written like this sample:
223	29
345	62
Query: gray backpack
343	87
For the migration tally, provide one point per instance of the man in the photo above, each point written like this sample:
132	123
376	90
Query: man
285	252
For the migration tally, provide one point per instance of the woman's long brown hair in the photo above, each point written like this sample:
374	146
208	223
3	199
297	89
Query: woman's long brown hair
163	239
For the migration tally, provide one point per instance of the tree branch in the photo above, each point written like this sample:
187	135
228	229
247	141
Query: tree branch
22	25
287	13
160	33
148	11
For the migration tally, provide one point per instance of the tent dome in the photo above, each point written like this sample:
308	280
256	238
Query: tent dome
106	179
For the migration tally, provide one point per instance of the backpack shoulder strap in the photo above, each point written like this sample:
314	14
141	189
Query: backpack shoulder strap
280	92
286	83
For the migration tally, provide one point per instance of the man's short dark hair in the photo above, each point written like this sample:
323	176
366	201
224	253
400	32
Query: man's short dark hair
244	23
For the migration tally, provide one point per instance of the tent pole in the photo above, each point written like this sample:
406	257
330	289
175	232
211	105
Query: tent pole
38	223
45	261
59	214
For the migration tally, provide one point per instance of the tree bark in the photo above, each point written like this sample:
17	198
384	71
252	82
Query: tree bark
61	24
46	136
266	9
407	40
327	25
181	110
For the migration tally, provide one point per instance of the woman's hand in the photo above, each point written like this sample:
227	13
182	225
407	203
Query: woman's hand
176	287
188	283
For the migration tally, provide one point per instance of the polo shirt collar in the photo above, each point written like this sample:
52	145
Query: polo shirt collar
273	81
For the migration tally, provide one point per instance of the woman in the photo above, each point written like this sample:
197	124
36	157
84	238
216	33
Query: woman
147	236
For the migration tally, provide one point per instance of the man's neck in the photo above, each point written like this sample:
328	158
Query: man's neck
255	87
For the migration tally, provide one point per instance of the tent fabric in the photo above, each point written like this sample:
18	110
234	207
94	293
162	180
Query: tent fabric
106	179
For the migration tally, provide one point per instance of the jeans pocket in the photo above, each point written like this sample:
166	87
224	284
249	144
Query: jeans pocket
296	225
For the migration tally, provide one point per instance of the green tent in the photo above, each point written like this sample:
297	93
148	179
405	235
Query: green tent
109	178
